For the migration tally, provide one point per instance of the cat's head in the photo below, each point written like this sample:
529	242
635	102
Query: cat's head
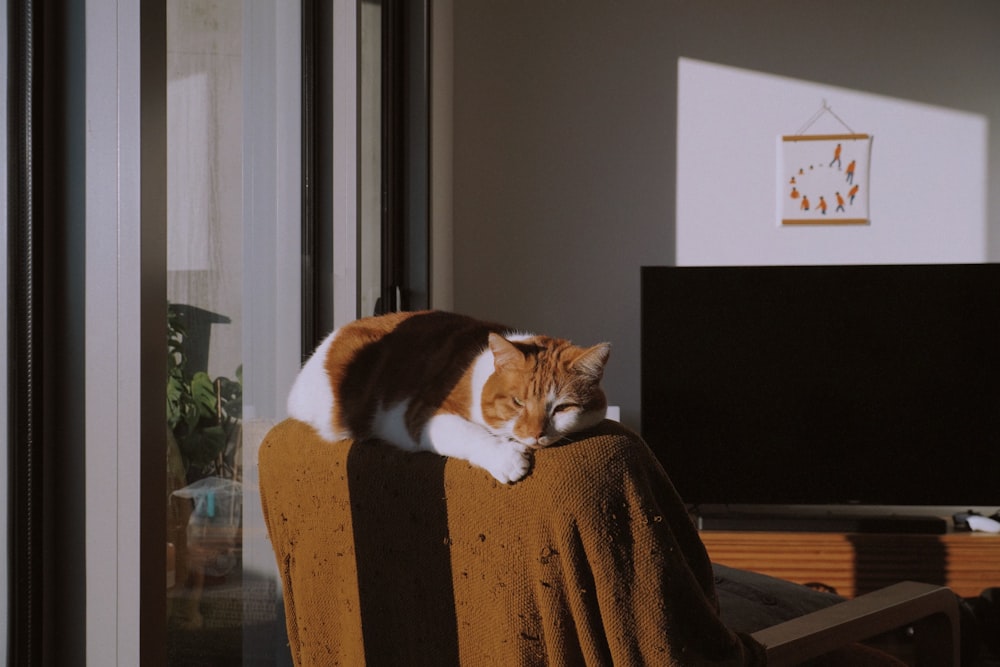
543	388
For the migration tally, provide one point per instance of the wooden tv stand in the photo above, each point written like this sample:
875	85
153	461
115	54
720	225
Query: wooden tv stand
857	563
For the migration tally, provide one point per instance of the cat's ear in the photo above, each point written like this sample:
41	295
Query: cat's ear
591	361
504	352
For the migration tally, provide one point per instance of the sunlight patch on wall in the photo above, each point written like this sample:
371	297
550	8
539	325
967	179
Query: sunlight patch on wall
924	177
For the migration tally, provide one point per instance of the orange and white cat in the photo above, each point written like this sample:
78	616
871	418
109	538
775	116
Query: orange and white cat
451	384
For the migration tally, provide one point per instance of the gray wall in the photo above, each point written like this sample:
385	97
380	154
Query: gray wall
565	134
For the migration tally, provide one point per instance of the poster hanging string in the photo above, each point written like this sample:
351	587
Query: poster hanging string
825	108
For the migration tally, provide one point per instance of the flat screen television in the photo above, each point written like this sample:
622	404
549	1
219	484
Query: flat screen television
824	385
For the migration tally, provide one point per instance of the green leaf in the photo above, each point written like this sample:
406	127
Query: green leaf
203	393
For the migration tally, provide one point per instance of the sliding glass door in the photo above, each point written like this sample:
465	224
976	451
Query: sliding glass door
199	198
281	224
233	275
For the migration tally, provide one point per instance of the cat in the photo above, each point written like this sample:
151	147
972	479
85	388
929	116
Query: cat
451	384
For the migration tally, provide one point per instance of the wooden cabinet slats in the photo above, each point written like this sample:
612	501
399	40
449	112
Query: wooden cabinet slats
859	563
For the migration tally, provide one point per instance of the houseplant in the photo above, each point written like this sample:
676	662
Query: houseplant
203	414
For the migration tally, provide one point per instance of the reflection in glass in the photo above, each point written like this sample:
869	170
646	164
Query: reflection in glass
204	467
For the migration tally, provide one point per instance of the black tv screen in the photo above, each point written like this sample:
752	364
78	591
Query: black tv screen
873	385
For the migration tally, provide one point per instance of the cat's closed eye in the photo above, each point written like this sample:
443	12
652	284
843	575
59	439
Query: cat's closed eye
563	407
517	401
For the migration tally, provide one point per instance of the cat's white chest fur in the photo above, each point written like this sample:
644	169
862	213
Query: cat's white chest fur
482	369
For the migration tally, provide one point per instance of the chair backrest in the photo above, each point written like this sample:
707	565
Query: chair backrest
389	557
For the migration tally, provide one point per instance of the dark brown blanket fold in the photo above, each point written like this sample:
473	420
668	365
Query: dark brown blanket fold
392	558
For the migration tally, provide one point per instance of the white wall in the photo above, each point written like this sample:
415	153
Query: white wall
566	142
927	182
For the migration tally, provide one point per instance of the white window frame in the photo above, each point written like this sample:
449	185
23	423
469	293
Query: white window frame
345	161
113	275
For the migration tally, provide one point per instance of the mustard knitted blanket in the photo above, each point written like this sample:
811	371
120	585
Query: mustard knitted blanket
394	558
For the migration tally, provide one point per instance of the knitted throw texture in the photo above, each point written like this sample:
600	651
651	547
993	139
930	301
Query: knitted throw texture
395	558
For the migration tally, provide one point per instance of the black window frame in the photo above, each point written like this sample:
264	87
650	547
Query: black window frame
405	180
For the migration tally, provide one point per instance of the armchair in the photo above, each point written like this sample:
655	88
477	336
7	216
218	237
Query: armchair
389	557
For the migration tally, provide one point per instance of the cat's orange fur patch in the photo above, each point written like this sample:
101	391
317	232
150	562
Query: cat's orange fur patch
420	357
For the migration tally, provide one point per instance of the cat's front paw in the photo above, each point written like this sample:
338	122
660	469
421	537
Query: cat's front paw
510	465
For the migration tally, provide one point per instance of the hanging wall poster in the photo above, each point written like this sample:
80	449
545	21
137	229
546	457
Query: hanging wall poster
823	179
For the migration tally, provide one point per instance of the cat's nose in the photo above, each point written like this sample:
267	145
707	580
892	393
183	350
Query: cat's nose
531	440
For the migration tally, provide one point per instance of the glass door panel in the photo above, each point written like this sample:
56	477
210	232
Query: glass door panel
233	272
204	336
269	203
